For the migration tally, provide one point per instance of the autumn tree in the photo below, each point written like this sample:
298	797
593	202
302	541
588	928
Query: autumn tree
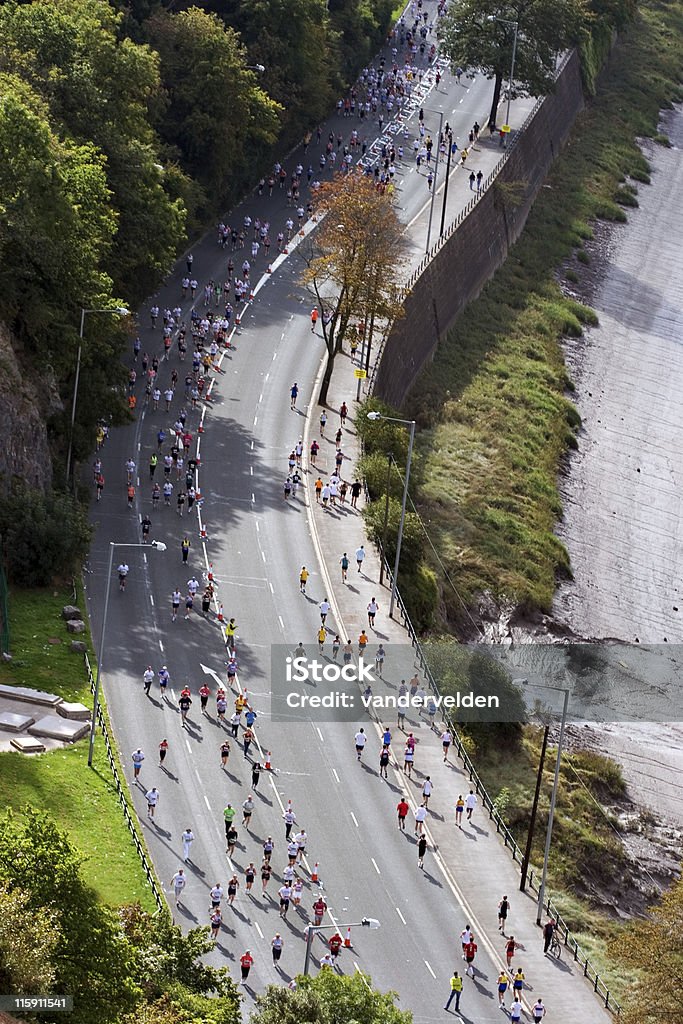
353	261
480	34
28	939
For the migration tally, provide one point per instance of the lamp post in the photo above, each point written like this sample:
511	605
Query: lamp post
100	654
436	174
121	311
553	795
506	21
367	922
449	136
399	540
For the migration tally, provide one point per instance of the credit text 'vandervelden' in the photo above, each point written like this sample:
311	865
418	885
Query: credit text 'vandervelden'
301	670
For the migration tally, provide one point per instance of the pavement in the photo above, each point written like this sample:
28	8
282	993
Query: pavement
254	546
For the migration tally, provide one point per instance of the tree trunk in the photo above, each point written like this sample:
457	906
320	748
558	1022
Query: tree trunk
327	377
497	84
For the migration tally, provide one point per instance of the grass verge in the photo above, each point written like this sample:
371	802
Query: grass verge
82	801
493	406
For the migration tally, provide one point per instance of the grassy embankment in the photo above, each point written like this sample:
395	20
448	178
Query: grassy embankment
493	407
81	800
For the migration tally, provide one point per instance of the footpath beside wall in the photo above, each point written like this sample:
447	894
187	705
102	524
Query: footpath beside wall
478	241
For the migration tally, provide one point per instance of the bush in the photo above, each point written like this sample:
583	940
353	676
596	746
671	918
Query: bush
420	594
374	468
43	536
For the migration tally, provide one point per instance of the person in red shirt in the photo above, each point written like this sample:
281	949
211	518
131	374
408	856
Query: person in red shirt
402	811
246	960
335	945
204	694
319	908
314	317
470	951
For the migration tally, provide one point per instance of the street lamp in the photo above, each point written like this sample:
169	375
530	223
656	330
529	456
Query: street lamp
399	541
121	311
160	546
506	21
553	795
367	922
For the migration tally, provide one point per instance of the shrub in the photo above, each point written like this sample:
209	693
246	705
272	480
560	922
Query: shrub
43	536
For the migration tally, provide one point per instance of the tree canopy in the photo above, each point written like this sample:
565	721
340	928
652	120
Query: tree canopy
329	998
478	35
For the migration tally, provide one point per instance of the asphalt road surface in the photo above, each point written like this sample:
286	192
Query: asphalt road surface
257	543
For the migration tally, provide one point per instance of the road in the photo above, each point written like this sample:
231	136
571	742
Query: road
256	544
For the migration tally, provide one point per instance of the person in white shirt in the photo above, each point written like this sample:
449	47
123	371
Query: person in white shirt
216	895
178	882
470	804
188	839
420	815
361	740
426	790
324	610
516	1012
152	798
148	678
360	555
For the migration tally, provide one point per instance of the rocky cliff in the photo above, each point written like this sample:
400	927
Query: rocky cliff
25	454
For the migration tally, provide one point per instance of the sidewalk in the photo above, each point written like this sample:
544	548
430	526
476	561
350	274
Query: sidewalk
473	859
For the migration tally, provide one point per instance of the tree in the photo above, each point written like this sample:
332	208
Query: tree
215	113
329	998
352	261
93	961
653	951
479	34
28	939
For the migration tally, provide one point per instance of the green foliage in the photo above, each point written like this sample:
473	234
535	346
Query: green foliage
93	961
329	998
43	536
413	538
213	111
28	940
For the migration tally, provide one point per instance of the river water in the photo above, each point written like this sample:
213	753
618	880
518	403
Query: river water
622	492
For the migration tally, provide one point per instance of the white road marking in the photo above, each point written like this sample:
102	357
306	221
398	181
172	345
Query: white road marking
263	555
206	801
144	558
161	647
401	915
257	526
187	744
319	733
281	622
374	864
173	693
252	446
253	498
334	772
256	926
260	398
151	598
429	969
251	471
255	420
265	379
355	821
272	590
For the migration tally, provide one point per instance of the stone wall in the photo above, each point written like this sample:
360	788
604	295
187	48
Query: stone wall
478	242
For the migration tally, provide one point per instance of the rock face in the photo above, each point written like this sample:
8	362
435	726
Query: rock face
25	455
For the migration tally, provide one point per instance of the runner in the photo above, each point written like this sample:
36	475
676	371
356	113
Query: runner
446	740
233	886
225	753
249	876
402	809
459	808
204	694
163	750
470	951
137	757
266	872
216	921
303	579
383	762
361	740
319	908
285	894
344	562
293	394
246	961
179	881
276	946
148	679
503	908
470	804
152	798
187	840
247	811
502	988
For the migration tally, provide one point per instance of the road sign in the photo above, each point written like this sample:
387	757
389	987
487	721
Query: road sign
360	374
505	128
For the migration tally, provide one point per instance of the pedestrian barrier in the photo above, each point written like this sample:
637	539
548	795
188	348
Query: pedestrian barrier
121	793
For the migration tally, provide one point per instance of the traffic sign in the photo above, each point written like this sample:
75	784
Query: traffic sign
360	374
505	128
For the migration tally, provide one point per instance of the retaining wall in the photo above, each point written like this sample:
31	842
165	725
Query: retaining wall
478	241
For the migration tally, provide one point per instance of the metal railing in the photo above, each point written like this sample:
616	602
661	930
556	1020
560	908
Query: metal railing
121	793
568	941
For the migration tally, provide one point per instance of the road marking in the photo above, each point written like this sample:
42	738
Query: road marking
206	801
161	647
187	744
196	771
319	733
263	555
251	471
255	420
275	353
252	446
272	592
256	926
265	379
173	693
334	772
260	398
401	915
151	598
429	969
374	864
258	528
144	558
281	622
253	498
355	821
